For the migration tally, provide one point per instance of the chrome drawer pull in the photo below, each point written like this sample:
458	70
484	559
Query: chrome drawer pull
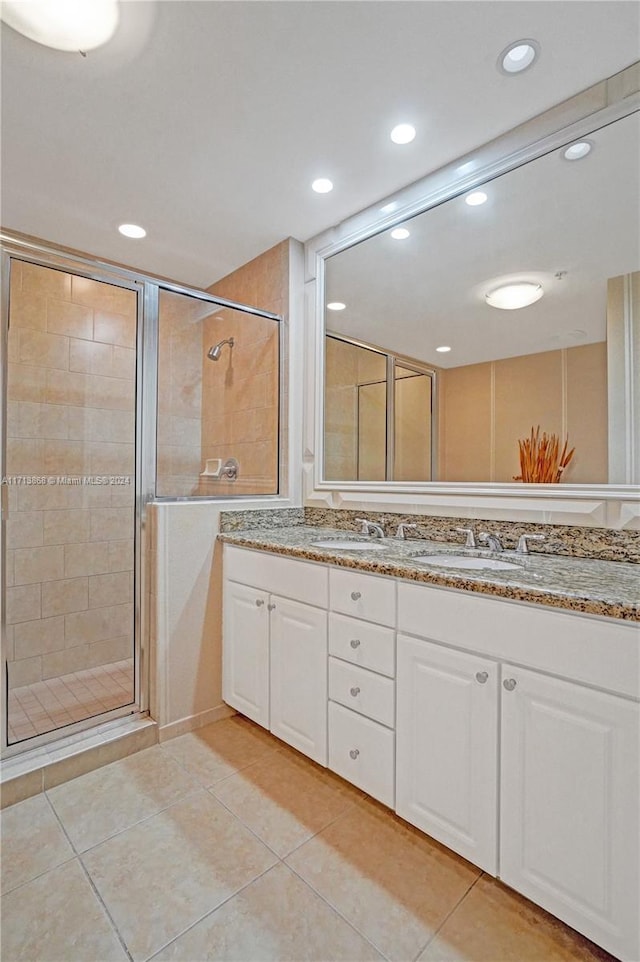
355	691
355	642
271	607
354	753
259	602
355	595
509	683
482	676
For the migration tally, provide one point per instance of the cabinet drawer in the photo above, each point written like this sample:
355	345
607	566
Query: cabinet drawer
361	643
363	691
287	577
362	751
363	596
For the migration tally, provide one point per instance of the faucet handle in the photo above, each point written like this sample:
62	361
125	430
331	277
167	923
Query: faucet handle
403	527
364	525
523	547
471	538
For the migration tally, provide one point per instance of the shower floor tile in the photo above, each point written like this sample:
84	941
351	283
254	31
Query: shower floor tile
47	705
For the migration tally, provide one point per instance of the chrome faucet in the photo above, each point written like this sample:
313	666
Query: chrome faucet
370	528
523	547
470	541
492	540
403	527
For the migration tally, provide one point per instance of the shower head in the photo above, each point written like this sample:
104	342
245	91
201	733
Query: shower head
214	352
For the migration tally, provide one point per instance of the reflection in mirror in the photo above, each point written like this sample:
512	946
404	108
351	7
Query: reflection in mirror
564	227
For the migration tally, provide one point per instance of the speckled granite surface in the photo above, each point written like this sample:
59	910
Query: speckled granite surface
609	588
268	518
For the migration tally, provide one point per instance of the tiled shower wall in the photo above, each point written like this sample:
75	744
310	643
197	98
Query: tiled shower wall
71	412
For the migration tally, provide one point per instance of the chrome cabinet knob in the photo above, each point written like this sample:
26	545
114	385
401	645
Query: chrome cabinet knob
509	683
355	595
271	607
354	691
354	753
482	676
259	602
355	642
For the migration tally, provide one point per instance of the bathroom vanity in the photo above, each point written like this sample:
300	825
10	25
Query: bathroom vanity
508	730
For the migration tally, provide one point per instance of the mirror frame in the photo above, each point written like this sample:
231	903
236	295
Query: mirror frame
604	103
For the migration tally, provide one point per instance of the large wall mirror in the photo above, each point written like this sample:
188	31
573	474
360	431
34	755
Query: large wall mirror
433	292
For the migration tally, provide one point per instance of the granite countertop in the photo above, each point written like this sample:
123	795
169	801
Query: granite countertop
609	588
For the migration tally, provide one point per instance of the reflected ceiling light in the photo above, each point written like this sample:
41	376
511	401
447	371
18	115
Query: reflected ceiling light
518	56
322	185
132	230
403	134
63	24
475	198
389	208
336	306
400	233
510	297
443	349
577	151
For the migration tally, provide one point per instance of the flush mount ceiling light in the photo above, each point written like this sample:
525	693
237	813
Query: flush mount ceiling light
336	306
443	349
132	230
475	198
578	150
400	233
518	56
511	297
403	134
63	24
322	185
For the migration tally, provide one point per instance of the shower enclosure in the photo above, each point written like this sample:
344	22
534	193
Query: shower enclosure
110	400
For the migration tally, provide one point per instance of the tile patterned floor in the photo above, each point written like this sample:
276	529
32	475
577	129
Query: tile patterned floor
226	845
47	705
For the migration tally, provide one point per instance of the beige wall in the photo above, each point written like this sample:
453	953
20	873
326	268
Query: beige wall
71	412
486	408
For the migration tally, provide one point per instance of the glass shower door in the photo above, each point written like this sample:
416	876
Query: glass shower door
70	479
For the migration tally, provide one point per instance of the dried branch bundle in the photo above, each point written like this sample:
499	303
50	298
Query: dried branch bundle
541	461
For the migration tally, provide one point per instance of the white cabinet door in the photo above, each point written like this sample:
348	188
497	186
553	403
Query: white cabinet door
447	747
245	651
570	806
299	676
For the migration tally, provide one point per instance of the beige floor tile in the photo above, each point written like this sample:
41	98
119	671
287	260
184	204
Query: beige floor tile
101	803
494	924
285	799
167	872
57	918
275	919
32	842
393	884
220	749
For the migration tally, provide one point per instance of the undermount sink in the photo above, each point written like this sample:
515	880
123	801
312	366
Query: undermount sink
349	545
462	561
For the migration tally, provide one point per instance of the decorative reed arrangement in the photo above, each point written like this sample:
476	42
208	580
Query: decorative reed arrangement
541	461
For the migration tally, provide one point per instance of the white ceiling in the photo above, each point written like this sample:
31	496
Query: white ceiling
206	121
548	216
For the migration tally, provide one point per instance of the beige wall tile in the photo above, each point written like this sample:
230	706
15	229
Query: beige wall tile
45	280
66	388
115	329
103	296
28	309
587	415
94	424
26	671
23	603
49	497
9	568
124	362
97	624
90	358
64	458
25	383
114	394
110	651
111	589
25	530
60	597
43	350
66	527
38	564
109	458
34	420
71	319
111	524
86	559
121	555
24	456
65	661
33	638
467	416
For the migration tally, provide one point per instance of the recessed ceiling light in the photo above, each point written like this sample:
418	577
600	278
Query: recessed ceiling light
510	297
336	306
518	56
400	233
403	134
475	198
63	24
578	150
132	230
443	349
322	185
